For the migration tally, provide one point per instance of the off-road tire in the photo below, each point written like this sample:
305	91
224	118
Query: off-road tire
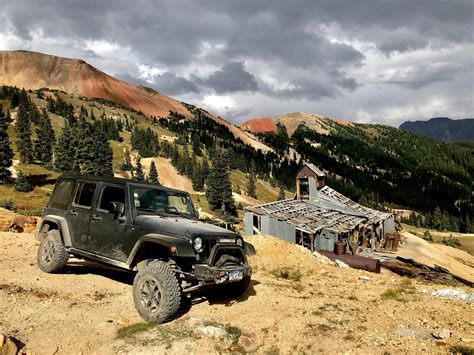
52	255
157	293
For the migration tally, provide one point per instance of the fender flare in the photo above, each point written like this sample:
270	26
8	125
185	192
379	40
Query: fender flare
249	249
63	228
183	247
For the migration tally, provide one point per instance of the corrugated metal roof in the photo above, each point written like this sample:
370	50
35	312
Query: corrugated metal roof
335	212
373	216
307	216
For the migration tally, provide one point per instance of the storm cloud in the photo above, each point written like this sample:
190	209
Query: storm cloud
358	60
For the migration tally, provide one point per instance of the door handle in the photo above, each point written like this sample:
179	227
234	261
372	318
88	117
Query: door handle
96	217
73	212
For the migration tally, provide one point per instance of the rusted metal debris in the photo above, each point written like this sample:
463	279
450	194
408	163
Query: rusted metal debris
411	268
355	261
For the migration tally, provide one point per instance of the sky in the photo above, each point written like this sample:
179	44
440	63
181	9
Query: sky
373	61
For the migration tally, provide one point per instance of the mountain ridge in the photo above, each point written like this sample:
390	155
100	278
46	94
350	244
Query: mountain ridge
34	70
442	129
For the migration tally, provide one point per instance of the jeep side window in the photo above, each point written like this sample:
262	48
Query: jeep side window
84	194
61	193
111	194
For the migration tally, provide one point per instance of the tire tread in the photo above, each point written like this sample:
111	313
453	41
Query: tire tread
171	293
61	257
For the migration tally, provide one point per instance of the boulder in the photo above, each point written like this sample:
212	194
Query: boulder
9	345
212	331
441	333
341	264
323	259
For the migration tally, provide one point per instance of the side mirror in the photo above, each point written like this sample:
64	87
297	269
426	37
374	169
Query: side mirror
118	208
196	213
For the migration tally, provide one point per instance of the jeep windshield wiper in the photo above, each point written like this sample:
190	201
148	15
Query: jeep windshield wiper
181	214
151	210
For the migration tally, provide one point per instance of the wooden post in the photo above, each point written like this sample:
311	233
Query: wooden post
364	238
298	192
355	242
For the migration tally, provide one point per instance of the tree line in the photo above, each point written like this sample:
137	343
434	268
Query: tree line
82	147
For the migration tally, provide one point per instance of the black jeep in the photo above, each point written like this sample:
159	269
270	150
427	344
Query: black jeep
141	227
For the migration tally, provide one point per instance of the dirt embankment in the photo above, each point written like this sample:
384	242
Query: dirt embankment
295	304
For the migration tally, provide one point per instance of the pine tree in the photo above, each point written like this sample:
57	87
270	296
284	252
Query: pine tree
102	163
21	183
363	200
44	140
469	228
251	182
198	178
126	165
153	175
86	154
23	130
6	152
219	187
196	141
139	174
281	194
437	218
189	163
65	152
15	100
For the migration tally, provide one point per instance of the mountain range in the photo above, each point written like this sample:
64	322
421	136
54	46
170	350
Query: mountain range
33	70
443	129
385	165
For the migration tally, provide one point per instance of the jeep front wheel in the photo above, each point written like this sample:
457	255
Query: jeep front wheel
52	255
156	292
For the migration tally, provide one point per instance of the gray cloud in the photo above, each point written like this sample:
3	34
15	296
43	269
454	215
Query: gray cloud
167	83
232	77
302	54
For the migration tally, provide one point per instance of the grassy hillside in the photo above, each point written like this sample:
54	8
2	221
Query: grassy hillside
43	178
390	167
379	166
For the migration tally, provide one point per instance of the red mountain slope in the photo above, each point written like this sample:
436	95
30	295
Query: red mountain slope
31	70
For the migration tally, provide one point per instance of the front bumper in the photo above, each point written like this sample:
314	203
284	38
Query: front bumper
212	274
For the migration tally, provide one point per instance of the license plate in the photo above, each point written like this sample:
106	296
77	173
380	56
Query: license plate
235	274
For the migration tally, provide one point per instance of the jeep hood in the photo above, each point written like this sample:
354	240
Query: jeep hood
180	227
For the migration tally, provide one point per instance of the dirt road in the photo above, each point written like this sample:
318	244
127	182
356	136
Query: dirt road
294	305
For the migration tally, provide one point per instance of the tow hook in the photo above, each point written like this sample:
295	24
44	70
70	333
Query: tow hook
222	277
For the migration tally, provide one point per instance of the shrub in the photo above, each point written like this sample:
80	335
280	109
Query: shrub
8	204
398	294
427	236
22	184
462	349
451	242
286	274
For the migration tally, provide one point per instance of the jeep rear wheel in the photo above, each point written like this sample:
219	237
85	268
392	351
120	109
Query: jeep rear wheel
52	255
156	292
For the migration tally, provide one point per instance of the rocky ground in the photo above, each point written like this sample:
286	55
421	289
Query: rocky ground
295	305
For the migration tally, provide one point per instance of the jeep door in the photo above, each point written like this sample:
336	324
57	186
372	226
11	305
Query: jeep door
80	212
108	229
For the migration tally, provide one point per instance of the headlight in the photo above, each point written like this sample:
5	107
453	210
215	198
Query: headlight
240	242
197	244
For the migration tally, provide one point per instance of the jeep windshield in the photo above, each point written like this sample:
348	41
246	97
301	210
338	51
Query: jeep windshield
162	202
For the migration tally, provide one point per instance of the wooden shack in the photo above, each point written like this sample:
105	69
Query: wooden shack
319	216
